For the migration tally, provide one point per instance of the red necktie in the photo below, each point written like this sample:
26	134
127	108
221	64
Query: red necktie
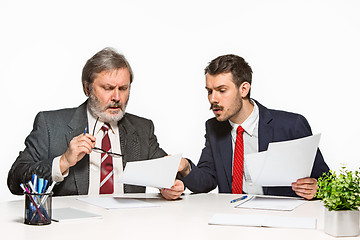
106	177
238	167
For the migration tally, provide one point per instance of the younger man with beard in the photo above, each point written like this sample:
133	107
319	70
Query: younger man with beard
228	82
85	149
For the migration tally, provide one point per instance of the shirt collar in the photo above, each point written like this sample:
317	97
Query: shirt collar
99	124
250	123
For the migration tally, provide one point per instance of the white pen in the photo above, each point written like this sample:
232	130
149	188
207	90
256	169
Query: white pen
51	187
22	186
32	186
47	192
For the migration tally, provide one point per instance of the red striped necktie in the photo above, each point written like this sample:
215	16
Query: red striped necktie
106	176
238	167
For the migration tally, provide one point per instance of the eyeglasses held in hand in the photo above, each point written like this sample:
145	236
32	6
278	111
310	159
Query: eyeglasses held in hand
99	150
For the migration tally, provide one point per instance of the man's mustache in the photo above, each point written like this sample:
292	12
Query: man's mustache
116	105
215	106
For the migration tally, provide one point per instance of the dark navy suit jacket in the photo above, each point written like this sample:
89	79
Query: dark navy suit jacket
215	165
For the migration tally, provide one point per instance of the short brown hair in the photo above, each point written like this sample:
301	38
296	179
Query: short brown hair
240	69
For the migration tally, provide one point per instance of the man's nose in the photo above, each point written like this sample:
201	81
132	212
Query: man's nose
213	98
116	95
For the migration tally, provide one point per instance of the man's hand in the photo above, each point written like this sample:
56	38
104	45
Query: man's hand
174	192
305	187
78	147
184	167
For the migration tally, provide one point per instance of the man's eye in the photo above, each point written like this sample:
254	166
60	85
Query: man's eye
108	88
209	92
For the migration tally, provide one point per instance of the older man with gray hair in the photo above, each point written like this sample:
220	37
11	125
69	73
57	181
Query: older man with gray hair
85	149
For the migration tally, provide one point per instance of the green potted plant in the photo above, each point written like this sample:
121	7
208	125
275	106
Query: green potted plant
340	194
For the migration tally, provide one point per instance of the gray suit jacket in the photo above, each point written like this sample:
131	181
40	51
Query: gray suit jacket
51	135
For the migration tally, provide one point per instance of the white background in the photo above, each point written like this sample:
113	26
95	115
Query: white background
304	55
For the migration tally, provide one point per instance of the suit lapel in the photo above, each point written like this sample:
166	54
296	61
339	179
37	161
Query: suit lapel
226	155
81	169
130	145
266	129
129	141
78	123
223	132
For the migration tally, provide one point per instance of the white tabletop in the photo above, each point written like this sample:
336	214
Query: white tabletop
186	218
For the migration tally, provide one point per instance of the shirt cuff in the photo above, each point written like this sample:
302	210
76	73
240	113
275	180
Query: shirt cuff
56	174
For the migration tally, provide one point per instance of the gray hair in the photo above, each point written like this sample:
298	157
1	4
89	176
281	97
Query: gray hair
105	60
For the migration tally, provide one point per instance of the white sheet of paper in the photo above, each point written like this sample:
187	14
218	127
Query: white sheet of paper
117	203
272	203
262	221
158	173
72	214
284	162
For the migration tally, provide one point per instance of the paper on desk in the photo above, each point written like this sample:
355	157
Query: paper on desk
262	221
284	162
72	214
271	203
158	173
116	203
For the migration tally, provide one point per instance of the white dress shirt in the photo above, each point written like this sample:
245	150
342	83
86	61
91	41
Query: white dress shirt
251	145
95	158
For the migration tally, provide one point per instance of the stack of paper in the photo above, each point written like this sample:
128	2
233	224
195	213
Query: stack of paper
284	162
271	203
72	214
262	221
157	173
117	203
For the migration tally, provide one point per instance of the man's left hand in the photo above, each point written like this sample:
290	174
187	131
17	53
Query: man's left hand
305	187
174	192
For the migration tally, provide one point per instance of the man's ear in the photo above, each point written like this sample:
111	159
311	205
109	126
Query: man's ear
86	89
244	89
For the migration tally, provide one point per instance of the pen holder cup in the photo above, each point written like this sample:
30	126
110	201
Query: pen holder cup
38	208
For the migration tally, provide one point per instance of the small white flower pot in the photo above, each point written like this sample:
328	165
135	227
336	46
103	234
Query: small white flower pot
341	223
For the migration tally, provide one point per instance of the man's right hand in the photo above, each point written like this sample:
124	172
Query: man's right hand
78	147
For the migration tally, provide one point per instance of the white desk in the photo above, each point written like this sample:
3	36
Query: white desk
186	218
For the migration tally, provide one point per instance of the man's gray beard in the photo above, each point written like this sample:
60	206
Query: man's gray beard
96	111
